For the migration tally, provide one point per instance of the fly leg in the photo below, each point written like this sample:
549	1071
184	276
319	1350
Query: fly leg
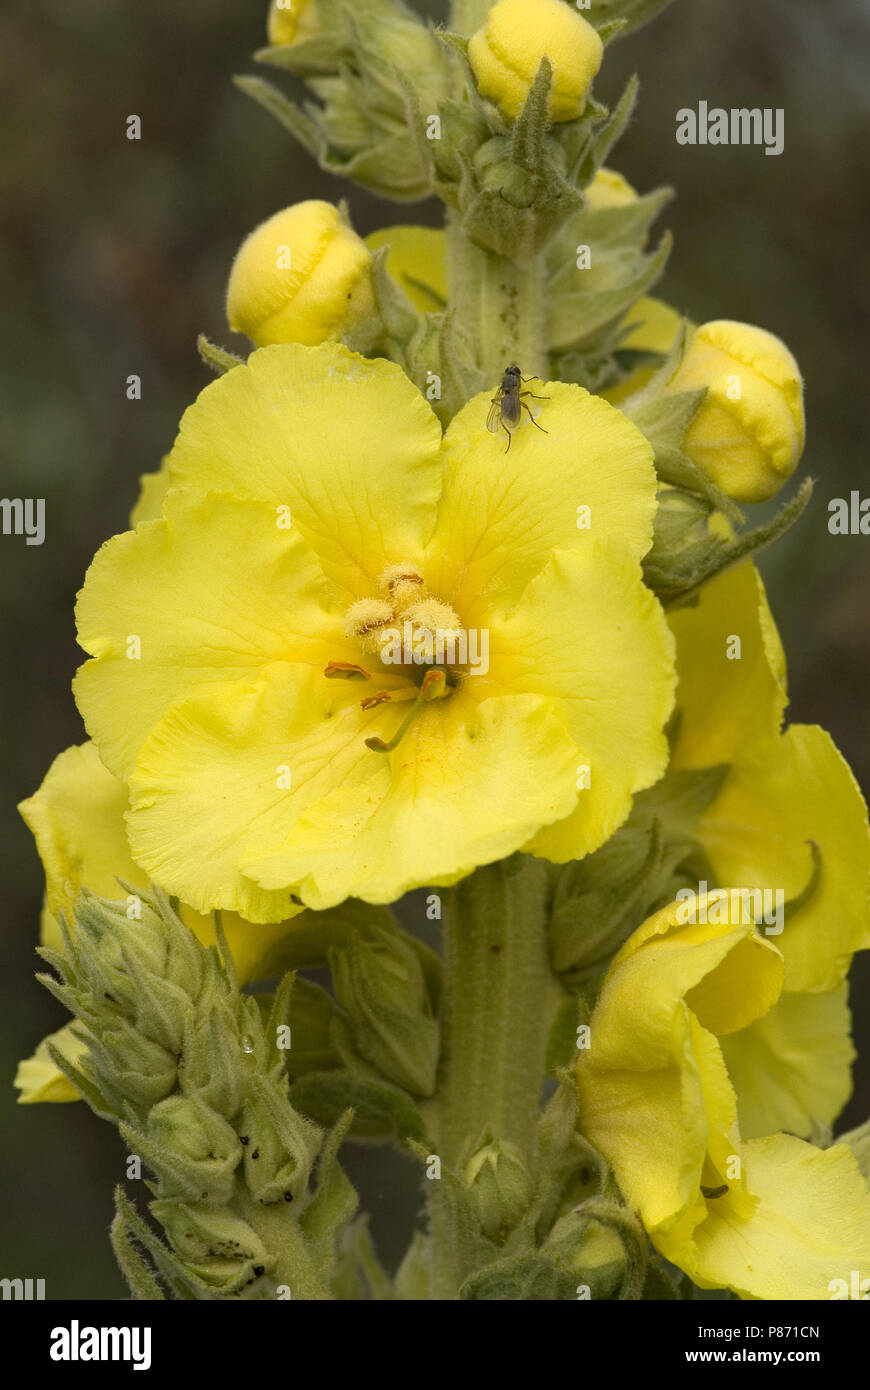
531	416
509	439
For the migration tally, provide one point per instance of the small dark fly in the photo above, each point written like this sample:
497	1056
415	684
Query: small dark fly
508	403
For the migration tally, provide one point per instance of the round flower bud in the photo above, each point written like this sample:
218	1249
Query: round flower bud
301	277
506	52
501	1186
608	190
748	432
291	21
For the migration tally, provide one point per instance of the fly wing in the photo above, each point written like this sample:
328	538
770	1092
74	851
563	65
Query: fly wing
511	408
493	419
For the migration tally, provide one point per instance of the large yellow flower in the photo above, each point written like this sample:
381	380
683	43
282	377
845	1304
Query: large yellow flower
770	1216
315	513
77	819
788	799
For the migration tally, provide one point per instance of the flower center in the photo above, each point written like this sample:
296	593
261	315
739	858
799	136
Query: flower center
411	633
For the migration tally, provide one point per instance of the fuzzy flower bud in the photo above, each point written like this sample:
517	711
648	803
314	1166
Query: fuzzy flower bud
303	276
379	982
501	1185
608	190
291	21
195	1151
748	432
506	52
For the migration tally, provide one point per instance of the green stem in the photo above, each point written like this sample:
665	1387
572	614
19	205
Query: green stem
294	1264
498	306
500	1000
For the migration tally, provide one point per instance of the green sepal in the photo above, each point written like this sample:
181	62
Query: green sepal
600	900
379	981
281	1144
633	13
359	1275
680	798
301	126
590	310
334	1202
218	358
676	578
381	1111
194	1150
132	1262
307	946
439	348
303	58
519	1278
309	1013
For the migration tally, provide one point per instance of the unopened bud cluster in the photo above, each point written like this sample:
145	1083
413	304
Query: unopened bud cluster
181	1060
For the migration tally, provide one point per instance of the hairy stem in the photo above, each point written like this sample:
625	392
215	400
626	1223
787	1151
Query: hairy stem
498	306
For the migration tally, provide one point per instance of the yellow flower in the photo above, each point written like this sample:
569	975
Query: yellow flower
77	819
770	1217
653	326
37	1077
152	490
748	433
338	522
417	262
301	277
506	52
291	21
785	792
608	189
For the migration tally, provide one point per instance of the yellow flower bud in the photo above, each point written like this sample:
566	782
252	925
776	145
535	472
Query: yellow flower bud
506	52
301	277
609	190
291	21
748	432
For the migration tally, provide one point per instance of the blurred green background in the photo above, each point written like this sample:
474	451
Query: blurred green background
116	254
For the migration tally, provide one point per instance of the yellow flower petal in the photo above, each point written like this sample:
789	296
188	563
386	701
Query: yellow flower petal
608	189
349	445
417	261
727	703
153	487
466	785
654	328
228	767
771	1217
212	592
37	1077
758	831
794	1065
469	783
728	975
504	512
583	622
811	1225
77	819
